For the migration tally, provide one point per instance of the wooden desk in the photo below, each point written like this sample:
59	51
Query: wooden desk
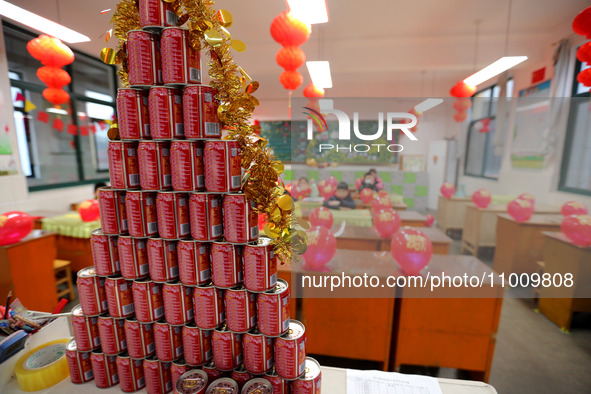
562	256
26	267
411	219
520	245
448	332
397	206
450	212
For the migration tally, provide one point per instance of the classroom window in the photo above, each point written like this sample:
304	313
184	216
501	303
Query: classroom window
483	159
65	145
575	174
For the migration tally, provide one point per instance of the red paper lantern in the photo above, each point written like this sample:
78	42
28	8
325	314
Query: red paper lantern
291	80
412	250
462	89
573	208
582	23
322	246
577	229
54	77
14	226
50	51
56	96
289	31
462	104
290	58
447	189
584	52
386	221
321	217
460	116
311	91
584	77
89	210
366	195
429	220
520	210
484	126
481	198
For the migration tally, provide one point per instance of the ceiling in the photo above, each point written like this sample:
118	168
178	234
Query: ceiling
382	48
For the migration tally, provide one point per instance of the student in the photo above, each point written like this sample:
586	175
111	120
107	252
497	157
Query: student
341	199
378	181
368	182
310	188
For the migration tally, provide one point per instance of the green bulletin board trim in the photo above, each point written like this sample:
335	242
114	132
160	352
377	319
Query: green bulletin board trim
410	177
312	174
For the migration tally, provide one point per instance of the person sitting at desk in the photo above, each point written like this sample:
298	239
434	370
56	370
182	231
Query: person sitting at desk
368	182
341	199
378	180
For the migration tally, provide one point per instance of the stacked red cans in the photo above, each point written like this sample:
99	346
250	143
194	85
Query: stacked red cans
310	382
105	253
147	298
162	260
133	257
154	165
140	207
222	166
169	341
186	160
194	262
134	119
112	209
290	352
273	307
123	165
91	291
206	216
200	113
241	222
131	373
260	266
181	63
119	297
143	58
140	338
173	215
178	303
85	330
208	302
104	368
196	344
192	382
240	309
112	335
79	364
166	113
157	375
227	349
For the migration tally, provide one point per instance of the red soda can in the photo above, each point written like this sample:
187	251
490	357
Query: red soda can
91	291
140	338
133	256
227	349
311	381
280	386
212	372
181	63
241	310
206	216
156	14
124	169
177	369
143	58
257	386
241	376
173	215
209	307
85	330
193	259
166	113
147	295
169	341
186	160
131	373
241	222
222	385
112	335
113	214
78	363
196	345
162	260
260	266
154	164
119	297
258	352
200	113
104	368
226	264
290	351
273	309
178	303
222	166
104	253
157	374
140	207
133	115
192	382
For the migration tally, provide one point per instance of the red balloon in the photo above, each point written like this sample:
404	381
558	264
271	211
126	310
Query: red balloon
50	51
366	195
582	23
380	203
89	210
447	189
573	208
56	96
14	226
584	77
462	104
383	193
312	91
577	229
460	116
290	58
288	30
332	180
429	220
327	191
520	210
528	197
322	217
53	77
291	80
412	250
584	53
386	221
481	198
322	246
462	89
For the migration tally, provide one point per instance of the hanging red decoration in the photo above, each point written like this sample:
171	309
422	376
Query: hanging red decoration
290	58
50	51
462	89
582	23
584	77
460	116
290	31
462	104
584	52
291	80
311	91
56	96
54	77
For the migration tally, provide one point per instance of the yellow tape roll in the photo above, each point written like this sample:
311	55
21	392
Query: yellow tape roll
43	367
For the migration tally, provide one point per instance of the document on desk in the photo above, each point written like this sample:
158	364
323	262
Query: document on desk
378	382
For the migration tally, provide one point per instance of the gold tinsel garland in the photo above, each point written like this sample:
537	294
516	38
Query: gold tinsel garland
208	31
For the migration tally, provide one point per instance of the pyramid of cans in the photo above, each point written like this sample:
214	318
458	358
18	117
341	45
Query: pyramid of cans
183	295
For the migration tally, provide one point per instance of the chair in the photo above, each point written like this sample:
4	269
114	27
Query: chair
63	275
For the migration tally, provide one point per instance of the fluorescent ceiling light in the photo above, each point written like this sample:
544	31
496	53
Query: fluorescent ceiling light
320	74
427	105
494	69
309	11
58	111
40	23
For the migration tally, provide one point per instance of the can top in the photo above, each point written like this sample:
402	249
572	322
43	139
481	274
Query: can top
263	241
193	381
71	345
123	355
311	369
223	328
240	369
257	386
296	330
77	310
98	231
159	88
209	365
240	288
87	272
254	332
272	373
279	288
219	385
136	89
180	361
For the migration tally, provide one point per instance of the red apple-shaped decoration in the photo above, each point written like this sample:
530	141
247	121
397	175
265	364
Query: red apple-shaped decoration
577	229
366	195
14	226
331	180
380	203
429	220
481	198
89	210
386	221
447	190
322	246
321	217
573	208
528	197
412	250
520	210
